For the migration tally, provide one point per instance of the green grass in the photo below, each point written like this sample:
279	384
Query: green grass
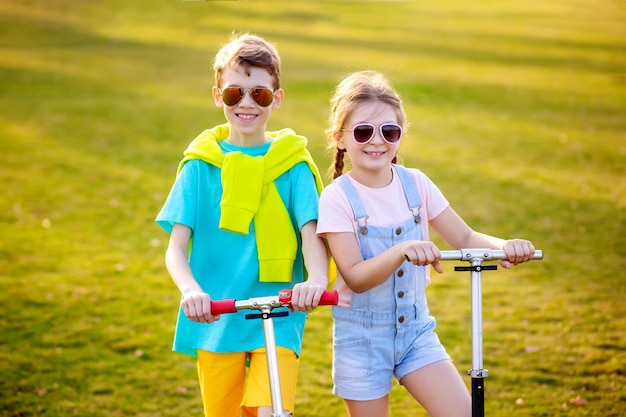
517	112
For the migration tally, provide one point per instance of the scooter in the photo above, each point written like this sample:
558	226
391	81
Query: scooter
265	305
476	257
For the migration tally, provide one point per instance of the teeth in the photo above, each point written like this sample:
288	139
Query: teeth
247	116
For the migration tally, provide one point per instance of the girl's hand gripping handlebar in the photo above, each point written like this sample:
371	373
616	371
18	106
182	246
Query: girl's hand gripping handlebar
282	300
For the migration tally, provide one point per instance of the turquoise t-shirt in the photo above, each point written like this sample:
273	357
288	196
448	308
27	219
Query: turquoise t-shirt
225	264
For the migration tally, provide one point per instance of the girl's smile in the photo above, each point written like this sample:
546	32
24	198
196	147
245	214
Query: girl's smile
375	154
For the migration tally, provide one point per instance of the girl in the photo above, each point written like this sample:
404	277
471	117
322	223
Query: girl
375	219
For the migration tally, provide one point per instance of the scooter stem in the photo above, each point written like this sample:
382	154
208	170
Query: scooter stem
272	364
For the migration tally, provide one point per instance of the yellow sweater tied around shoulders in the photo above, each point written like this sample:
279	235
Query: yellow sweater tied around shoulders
250	194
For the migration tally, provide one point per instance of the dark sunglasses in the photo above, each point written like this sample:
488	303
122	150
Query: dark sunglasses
364	132
233	95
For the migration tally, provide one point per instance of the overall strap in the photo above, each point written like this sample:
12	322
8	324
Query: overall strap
360	215
411	191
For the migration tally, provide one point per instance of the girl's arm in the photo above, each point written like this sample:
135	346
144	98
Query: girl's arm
460	236
306	295
196	303
362	275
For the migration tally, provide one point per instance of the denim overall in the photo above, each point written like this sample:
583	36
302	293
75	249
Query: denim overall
386	330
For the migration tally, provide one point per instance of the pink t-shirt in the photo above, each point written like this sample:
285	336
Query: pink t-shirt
386	207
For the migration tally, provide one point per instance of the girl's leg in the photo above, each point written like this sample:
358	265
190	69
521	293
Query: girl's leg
371	408
439	388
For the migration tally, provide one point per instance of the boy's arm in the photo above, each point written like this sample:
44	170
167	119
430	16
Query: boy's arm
306	295
195	303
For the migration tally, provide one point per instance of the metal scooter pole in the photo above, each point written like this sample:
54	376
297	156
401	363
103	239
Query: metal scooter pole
477	373
476	258
272	364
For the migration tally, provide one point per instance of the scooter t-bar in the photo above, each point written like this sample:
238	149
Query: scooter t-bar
482	254
283	299
476	257
265	305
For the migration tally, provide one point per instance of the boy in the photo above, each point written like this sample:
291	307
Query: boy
242	216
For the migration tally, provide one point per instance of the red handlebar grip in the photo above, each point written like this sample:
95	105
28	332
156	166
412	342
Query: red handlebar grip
223	307
329	298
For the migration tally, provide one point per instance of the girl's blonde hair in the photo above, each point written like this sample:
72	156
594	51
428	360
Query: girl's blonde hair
354	90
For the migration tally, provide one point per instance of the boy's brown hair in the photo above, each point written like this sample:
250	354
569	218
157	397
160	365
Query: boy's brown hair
248	51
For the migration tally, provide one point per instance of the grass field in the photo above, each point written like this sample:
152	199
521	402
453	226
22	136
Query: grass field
517	112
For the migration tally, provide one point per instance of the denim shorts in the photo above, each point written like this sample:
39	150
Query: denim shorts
368	353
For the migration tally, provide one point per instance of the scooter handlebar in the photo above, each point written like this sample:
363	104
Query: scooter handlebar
283	300
328	298
223	307
484	254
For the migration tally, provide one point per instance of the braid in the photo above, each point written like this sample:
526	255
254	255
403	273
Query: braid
339	153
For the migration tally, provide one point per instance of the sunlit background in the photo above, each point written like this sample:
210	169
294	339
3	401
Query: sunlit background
516	110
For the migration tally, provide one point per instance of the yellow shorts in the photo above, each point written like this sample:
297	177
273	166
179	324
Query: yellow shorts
229	389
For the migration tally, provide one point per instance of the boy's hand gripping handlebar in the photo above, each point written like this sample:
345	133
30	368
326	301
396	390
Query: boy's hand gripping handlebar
282	300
